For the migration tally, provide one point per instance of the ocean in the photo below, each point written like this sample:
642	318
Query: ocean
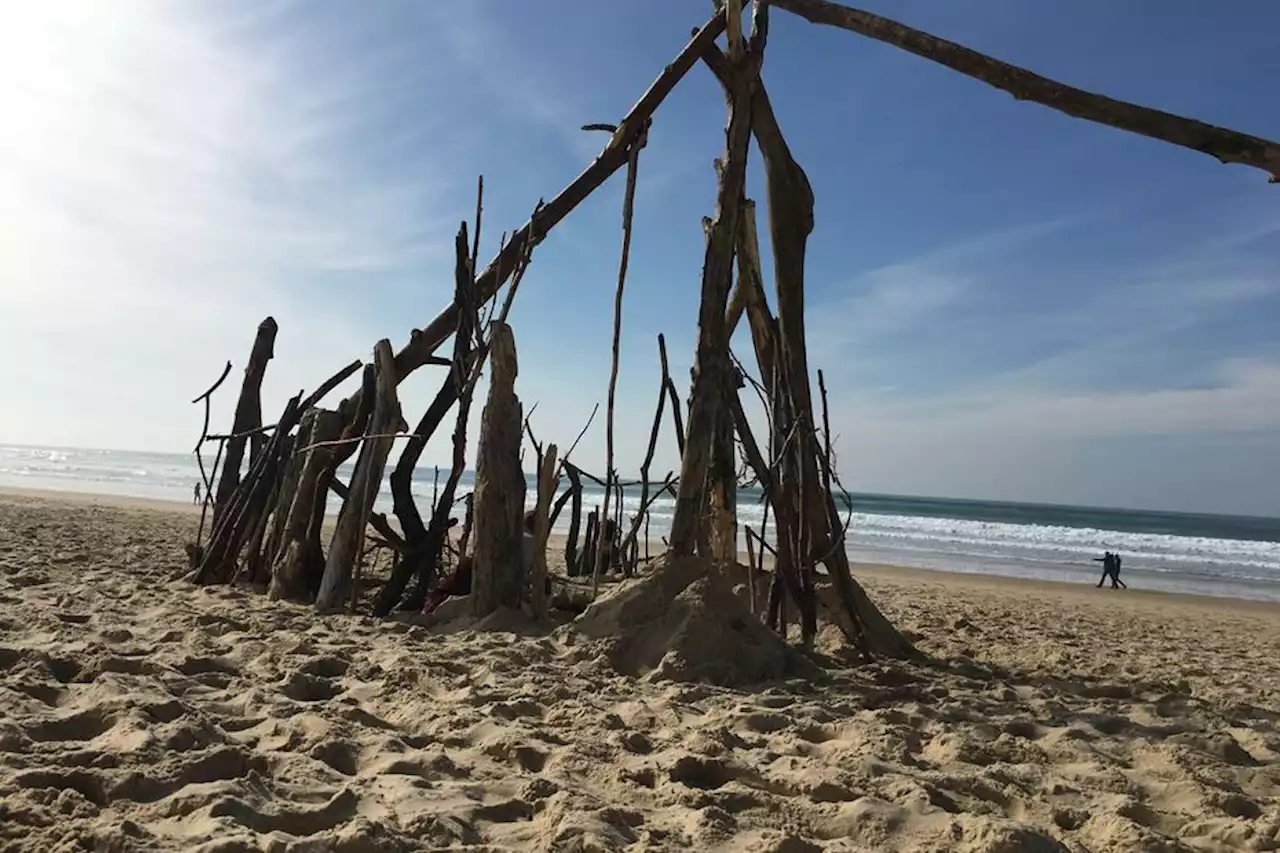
1216	555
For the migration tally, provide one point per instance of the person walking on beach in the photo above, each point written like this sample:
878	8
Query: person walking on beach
1108	561
1110	569
196	500
1115	572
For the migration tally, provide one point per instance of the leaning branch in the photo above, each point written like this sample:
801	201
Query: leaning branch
614	156
1227	146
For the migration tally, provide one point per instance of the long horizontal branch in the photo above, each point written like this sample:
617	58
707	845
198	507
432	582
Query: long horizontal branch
1228	146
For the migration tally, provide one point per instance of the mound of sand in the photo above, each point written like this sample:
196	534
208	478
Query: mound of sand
684	622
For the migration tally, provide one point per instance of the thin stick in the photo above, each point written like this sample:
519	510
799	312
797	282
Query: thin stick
672	393
628	208
565	459
329	384
475	238
215	386
356	439
208	498
265	428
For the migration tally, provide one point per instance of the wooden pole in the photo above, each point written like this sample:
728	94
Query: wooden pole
248	414
1227	146
500	485
628	208
348	538
536	583
575	518
648	460
294	554
711	358
426	542
670	386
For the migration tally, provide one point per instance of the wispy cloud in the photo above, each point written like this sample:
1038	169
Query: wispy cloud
168	182
867	317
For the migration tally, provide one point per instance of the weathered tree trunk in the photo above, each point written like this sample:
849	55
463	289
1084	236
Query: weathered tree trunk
348	537
536	583
722	492
575	519
467	522
296	551
256	560
248	415
499	493
245	506
422	557
1227	146
587	557
712	371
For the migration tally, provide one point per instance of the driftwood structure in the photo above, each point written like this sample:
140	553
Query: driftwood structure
269	511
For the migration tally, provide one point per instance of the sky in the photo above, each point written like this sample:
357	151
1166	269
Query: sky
1007	303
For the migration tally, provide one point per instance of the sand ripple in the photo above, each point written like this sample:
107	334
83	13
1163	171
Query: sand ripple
140	713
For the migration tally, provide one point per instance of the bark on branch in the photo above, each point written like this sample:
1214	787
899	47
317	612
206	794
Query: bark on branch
1227	146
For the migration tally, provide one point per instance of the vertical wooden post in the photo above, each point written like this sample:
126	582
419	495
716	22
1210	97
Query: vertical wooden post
541	530
294	551
575	519
347	544
248	414
500	485
711	359
587	557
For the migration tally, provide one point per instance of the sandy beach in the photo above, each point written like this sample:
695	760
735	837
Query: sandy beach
139	712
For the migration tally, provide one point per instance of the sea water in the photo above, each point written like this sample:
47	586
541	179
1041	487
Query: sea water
1204	554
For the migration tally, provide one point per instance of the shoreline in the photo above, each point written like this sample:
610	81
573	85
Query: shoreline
883	572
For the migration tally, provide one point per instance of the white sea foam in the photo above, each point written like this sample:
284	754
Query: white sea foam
1190	563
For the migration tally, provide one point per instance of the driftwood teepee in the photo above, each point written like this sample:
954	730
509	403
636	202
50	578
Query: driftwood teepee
268	516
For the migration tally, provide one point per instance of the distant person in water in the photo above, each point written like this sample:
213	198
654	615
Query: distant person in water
196	500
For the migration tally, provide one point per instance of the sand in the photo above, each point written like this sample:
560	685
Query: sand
138	712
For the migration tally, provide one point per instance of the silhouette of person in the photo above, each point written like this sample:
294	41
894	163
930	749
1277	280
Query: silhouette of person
196	500
1108	567
1115	573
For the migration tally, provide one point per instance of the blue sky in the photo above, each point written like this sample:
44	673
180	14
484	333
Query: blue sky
1008	303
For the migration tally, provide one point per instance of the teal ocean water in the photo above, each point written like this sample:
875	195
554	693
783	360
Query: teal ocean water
1205	554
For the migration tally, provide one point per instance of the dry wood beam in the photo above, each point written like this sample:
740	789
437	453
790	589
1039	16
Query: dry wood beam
348	538
403	504
1223	144
422	344
648	460
498	576
329	384
575	518
536	583
248	414
711	380
628	208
